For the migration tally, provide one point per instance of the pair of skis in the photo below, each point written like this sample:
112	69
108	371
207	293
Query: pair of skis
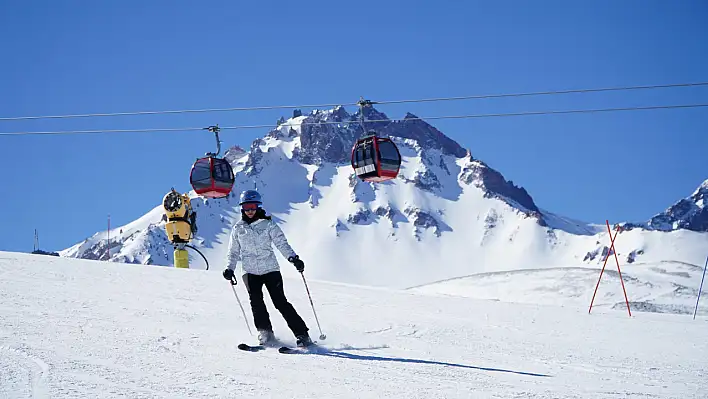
282	349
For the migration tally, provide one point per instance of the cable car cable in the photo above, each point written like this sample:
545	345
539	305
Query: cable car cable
271	107
544	93
473	116
105	131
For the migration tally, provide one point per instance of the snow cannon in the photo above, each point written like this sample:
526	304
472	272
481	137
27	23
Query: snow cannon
181	225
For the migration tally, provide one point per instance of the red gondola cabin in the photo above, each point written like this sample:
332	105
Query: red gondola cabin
212	177
376	159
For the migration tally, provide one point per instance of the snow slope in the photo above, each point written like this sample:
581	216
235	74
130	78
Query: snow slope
74	328
670	287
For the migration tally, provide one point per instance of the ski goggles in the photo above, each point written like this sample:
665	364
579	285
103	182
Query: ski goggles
249	206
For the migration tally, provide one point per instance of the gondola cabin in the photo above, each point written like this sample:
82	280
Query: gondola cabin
212	177
376	159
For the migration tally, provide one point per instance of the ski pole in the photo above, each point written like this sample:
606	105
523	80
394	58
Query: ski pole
322	336
233	284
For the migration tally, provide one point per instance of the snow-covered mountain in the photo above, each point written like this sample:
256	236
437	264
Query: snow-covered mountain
448	214
689	213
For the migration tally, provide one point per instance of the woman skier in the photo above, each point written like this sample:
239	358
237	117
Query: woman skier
251	243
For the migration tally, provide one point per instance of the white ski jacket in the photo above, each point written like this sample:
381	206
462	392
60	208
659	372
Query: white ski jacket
252	245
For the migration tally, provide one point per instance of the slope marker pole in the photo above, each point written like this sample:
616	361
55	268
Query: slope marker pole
619	271
701	288
108	240
604	264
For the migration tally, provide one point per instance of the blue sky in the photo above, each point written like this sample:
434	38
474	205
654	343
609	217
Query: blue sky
86	57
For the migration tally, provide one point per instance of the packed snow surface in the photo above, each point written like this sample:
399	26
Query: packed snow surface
72	328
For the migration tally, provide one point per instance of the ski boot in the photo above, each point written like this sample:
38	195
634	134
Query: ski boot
266	337
303	340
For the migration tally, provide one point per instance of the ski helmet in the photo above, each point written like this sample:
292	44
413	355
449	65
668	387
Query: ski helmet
250	196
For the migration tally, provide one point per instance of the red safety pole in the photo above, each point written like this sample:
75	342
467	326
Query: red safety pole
619	271
612	247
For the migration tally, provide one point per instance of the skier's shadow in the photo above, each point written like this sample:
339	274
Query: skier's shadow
327	352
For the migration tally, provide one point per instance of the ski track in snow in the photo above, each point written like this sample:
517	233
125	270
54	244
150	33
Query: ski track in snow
87	329
22	375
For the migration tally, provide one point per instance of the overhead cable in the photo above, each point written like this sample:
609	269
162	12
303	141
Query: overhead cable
473	116
318	106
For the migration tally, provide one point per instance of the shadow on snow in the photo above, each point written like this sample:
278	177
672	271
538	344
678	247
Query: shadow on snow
345	355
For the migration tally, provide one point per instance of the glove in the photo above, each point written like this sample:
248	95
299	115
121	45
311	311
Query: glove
299	264
229	275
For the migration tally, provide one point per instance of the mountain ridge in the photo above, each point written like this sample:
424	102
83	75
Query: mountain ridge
689	213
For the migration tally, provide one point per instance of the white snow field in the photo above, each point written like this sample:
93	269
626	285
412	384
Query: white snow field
72	328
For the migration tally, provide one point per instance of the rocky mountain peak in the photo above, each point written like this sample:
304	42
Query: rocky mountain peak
332	142
690	213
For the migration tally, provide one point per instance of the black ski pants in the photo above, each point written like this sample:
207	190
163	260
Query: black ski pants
274	283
